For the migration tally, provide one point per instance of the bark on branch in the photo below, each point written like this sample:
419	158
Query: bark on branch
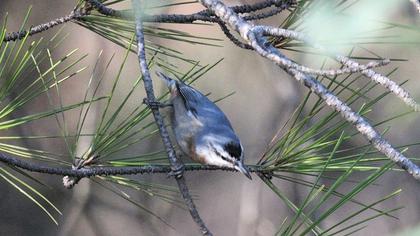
74	15
256	37
87	172
176	165
205	15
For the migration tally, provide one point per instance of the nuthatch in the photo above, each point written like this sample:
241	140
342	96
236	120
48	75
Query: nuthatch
201	129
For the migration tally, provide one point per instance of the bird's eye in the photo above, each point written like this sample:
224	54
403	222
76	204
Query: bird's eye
225	158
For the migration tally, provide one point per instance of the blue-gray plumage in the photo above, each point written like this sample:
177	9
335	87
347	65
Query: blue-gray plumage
201	129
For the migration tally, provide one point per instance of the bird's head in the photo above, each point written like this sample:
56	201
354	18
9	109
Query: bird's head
171	83
224	153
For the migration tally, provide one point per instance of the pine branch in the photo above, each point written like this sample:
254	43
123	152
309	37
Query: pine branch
176	165
231	37
256	37
205	15
87	172
351	66
74	15
208	16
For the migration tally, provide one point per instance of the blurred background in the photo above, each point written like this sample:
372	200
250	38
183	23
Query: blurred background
229	203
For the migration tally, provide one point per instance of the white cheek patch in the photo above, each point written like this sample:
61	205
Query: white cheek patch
212	158
223	153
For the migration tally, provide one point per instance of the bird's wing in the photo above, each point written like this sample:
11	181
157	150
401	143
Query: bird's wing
191	97
201	107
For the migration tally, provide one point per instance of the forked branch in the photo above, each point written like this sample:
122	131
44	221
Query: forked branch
204	15
256	36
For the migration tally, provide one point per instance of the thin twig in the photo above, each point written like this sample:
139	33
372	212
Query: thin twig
82	172
231	37
351	66
43	27
176	165
101	8
258	41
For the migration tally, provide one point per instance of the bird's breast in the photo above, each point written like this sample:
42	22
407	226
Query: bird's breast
195	156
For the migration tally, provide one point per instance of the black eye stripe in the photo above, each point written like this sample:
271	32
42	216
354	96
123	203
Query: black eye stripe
224	158
220	155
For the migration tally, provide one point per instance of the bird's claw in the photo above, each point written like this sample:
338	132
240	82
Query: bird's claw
155	104
177	173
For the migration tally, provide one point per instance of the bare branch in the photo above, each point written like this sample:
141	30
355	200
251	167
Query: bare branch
101	8
230	36
82	172
351	65
208	16
176	165
255	37
205	15
384	81
74	15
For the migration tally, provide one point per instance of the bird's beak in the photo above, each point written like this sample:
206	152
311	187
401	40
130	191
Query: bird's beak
241	168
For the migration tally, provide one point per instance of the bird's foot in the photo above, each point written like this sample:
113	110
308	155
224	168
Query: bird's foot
155	104
177	173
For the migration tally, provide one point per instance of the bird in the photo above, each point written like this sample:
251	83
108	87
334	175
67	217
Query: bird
201	129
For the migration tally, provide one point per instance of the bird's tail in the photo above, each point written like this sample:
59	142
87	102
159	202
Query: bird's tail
171	83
